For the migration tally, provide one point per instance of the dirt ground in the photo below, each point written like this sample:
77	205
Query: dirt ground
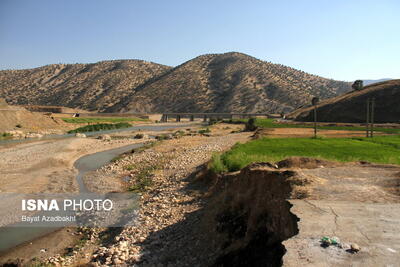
359	204
51	244
47	166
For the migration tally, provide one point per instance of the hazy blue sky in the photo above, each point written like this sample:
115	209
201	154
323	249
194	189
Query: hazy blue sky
341	39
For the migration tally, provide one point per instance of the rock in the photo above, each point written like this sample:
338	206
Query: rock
354	247
80	135
140	136
104	137
18	134
117	261
326	241
33	135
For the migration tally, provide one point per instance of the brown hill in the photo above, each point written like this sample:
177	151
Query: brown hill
86	86
18	118
230	82
351	107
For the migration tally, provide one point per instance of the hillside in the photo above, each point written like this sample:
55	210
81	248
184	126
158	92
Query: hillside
86	86
351	107
230	82
18	118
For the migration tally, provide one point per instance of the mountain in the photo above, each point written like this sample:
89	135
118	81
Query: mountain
369	82
230	82
86	86
351	107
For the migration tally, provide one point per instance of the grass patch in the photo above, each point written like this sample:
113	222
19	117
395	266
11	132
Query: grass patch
179	133
100	127
216	165
129	167
270	123
143	180
102	119
146	146
393	141
38	263
385	149
117	158
203	131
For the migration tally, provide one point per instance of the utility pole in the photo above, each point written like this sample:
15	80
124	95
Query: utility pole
372	110
314	102
370	116
368	119
369	125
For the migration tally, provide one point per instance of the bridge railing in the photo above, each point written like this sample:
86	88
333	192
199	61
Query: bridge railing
208	116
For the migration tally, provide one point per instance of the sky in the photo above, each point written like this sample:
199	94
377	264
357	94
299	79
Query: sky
340	39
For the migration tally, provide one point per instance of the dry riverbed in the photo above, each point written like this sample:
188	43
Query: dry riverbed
167	201
47	166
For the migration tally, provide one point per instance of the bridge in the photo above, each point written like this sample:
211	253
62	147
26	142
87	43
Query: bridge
209	116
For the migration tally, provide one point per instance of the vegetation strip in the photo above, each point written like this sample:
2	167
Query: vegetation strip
100	127
270	123
383	149
102	119
4	136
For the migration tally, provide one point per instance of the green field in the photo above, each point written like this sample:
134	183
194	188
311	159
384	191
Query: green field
385	149
100	127
102	120
270	123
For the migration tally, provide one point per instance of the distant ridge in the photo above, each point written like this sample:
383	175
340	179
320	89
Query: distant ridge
369	82
351	107
93	86
229	82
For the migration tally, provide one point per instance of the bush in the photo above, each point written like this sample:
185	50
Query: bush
216	165
139	136
5	136
100	127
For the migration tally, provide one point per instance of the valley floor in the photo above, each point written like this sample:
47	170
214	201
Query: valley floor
359	203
